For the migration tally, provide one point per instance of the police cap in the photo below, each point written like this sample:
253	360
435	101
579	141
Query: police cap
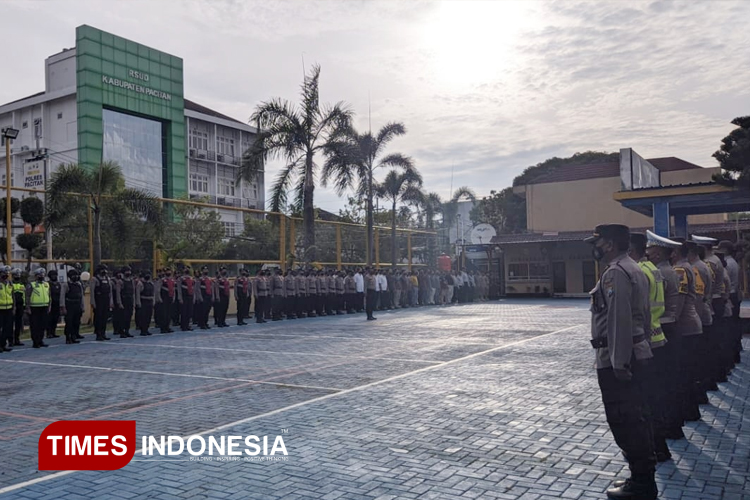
616	232
654	240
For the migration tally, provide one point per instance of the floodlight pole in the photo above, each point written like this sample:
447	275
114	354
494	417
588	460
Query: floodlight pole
8	215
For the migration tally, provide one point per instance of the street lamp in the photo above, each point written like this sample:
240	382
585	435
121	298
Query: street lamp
9	134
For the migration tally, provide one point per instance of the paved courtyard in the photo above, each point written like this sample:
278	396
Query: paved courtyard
491	400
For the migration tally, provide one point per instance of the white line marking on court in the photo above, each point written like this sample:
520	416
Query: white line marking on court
185	375
137	344
314	400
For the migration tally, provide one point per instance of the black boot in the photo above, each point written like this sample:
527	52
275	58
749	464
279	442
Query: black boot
632	489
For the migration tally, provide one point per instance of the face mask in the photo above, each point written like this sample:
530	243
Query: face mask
74	278
597	253
147	277
127	275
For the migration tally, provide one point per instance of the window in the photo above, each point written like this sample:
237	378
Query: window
229	229
528	271
225	186
255	191
3	179
25	125
198	182
198	139
59	116
225	146
38	128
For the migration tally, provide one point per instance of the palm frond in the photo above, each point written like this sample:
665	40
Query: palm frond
143	204
396	160
281	185
386	134
463	192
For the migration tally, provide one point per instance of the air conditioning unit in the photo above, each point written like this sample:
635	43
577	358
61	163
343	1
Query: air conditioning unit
201	155
192	153
220	157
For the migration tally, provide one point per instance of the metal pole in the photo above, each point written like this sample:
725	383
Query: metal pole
8	215
338	248
282	241
47	232
408	248
376	238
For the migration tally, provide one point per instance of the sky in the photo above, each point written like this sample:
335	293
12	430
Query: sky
484	88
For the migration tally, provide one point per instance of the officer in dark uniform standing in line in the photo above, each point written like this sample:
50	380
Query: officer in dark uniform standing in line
166	295
6	309
312	294
339	280
118	313
322	293
620	331
260	295
301	283
277	289
145	296
54	312
206	286
19	291
242	296
158	304
101	301
38	302
223	287
350	293
331	308
290	294
188	299
127	296
71	300
371	288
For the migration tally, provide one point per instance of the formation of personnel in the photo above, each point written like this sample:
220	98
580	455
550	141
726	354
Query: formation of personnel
186	299
665	326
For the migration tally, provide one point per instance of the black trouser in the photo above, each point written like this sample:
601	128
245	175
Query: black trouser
372	297
127	312
277	307
118	315
328	302
657	393
186	312
208	301
243	307
101	315
73	312
360	301
143	315
158	313
301	305
222	306
52	319
175	313
674	390
349	302
38	323
627	416
692	360
312	304
260	308
165	313
6	327
18	322
291	306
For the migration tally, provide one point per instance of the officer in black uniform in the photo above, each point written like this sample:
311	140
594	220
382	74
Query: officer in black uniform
223	292
19	295
101	301
127	296
620	334
206	286
189	299
242	295
54	313
144	303
71	300
277	291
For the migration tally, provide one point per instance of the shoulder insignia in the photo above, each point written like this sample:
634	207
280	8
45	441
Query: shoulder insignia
683	286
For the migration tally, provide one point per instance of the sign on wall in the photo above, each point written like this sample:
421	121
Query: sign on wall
33	174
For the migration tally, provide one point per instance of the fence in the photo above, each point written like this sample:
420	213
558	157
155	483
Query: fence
198	233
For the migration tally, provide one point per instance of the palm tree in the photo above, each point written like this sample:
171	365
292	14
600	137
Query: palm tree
105	187
399	187
430	204
353	158
295	134
450	209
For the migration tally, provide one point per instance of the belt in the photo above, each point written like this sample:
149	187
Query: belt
600	342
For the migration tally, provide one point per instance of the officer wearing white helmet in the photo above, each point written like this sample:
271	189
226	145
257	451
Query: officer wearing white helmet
6	309
19	299
37	307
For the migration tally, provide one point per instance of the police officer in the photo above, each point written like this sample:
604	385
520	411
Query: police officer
260	296
372	293
331	308
127	298
701	365
118	312
6	309
290	294
350	293
301	283
166	295
188	299
242	296
717	300
206	286
71	301
322	280
223	287
620	328
277	289
101	301
38	302
145	295
339	281
54	312
312	294
19	309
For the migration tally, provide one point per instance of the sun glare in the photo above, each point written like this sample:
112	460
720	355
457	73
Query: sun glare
471	42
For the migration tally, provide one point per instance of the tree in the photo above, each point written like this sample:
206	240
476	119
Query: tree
450	209
194	232
734	155
15	205
398	187
32	213
352	158
259	241
72	185
297	135
503	210
547	166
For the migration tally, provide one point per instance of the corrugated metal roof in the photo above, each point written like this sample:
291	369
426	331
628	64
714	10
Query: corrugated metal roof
198	108
565	173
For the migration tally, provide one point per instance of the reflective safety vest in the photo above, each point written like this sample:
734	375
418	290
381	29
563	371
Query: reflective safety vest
20	290
39	294
656	300
6	296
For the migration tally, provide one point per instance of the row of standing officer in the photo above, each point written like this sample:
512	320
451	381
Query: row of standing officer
663	337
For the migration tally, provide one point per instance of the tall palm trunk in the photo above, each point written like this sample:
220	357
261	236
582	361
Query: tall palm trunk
369	221
97	237
393	235
308	210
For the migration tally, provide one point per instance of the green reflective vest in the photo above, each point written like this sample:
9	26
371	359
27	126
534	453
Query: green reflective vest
39	294
656	300
6	296
20	290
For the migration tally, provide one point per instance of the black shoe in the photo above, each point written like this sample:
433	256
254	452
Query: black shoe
79	337
36	346
18	344
53	336
99	337
663	456
693	416
371	318
123	336
5	349
631	490
675	433
127	334
74	341
144	334
276	319
713	387
42	344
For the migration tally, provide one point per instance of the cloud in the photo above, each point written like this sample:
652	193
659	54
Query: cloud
484	88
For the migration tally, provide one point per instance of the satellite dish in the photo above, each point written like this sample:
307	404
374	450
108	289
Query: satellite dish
482	234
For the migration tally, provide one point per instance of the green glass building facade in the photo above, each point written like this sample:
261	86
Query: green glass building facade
131	109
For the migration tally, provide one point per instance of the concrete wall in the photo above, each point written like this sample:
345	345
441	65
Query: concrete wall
581	205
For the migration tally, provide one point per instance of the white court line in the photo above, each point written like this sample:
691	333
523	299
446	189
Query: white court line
136	344
184	375
314	400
